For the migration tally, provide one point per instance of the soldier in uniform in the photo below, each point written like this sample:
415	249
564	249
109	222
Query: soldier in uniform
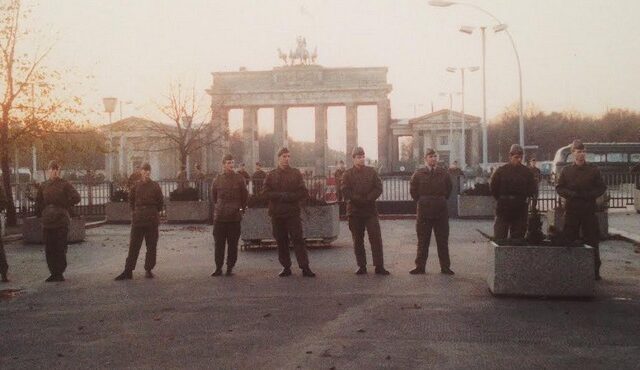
54	201
580	184
4	267
284	188
229	195
146	201
134	178
258	179
511	184
338	176
361	186
431	187
244	172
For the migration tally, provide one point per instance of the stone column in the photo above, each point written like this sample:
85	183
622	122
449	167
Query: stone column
279	130
434	139
250	137
417	146
219	136
352	131
321	140
384	120
395	156
475	145
122	152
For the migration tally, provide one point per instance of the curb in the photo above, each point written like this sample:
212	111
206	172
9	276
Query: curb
88	225
625	235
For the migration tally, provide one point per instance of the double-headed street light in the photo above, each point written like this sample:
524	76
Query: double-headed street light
450	117
498	28
463	145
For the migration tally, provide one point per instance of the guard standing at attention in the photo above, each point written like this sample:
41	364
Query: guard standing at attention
146	201
431	187
54	202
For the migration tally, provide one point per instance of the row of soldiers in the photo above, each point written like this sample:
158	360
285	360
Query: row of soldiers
511	184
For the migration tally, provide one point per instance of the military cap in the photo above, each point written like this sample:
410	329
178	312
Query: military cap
429	152
357	151
577	145
227	157
283	151
258	164
516	149
146	167
53	165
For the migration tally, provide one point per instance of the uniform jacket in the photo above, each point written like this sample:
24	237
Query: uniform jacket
361	186
146	201
229	195
511	185
580	186
285	189
431	189
54	201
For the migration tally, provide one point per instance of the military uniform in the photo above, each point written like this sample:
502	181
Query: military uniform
285	189
245	174
229	195
580	185
133	179
258	181
4	267
146	201
511	185
361	186
431	187
54	201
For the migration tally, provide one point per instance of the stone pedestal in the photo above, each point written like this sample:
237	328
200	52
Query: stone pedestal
541	270
555	218
32	230
636	200
476	206
118	213
187	211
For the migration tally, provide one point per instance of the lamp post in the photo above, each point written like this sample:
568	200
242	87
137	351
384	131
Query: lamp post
463	154
450	117
110	107
498	28
186	123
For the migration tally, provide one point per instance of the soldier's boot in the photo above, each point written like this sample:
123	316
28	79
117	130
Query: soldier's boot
229	271
306	272
419	270
126	275
285	272
362	270
447	271
217	272
54	278
5	277
148	274
380	270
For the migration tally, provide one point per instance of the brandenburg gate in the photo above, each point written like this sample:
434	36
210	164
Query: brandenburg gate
303	85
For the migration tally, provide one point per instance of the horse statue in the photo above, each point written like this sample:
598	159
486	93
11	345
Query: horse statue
282	56
314	55
300	53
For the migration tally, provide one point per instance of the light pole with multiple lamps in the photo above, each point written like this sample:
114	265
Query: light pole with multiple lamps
110	107
450	117
463	155
497	28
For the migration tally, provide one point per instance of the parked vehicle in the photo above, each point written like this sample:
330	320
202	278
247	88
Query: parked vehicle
608	157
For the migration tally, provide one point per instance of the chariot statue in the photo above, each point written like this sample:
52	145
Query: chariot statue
301	54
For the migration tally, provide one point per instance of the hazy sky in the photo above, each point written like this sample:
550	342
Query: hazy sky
578	55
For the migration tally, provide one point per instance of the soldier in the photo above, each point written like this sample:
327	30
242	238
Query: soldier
258	179
537	175
229	195
198	175
361	186
431	187
511	185
244	172
134	178
146	202
54	201
182	178
4	267
285	189
580	184
338	176
454	170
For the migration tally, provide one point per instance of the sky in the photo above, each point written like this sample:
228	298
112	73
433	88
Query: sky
576	55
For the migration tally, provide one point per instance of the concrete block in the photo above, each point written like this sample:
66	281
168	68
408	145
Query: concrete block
476	206
118	213
541	270
187	211
555	218
32	230
636	200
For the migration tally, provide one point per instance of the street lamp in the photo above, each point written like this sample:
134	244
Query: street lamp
110	107
498	28
463	145
450	117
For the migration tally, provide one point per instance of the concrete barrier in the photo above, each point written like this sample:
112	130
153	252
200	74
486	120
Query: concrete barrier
118	213
476	206
555	218
541	270
32	230
187	211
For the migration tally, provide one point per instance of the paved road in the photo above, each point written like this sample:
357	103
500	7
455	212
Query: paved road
186	319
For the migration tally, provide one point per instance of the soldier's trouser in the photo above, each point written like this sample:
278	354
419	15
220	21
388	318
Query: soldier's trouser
55	249
588	221
226	233
4	267
440	227
285	229
358	225
150	236
513	226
